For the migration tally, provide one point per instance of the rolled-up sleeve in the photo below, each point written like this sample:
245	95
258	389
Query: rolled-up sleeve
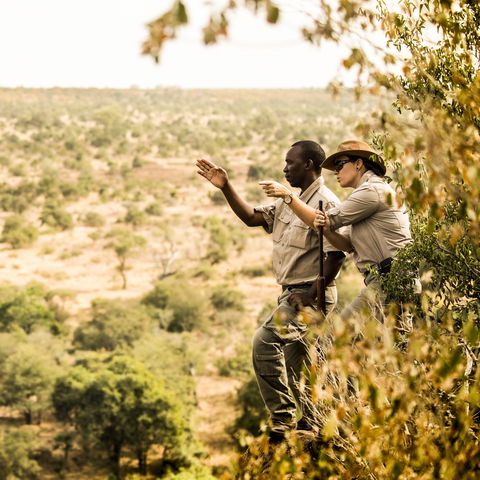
361	204
268	212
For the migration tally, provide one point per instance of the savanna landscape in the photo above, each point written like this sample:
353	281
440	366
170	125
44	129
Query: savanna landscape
129	292
114	248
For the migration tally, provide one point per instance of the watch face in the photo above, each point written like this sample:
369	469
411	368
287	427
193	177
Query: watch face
288	199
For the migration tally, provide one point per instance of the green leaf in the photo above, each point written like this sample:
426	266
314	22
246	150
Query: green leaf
273	13
181	14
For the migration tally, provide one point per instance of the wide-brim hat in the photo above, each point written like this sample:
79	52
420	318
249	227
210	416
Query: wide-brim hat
355	148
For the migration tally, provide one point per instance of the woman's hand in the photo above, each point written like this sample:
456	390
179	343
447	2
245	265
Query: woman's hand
274	189
321	220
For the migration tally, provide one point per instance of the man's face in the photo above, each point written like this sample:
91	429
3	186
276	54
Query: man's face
295	169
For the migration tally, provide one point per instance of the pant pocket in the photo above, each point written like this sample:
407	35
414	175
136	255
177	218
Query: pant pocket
269	364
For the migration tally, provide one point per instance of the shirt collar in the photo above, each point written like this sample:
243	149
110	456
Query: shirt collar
316	185
367	176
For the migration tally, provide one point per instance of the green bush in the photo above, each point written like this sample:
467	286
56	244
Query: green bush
223	237
183	299
135	216
94	219
225	298
217	197
239	365
55	216
252	411
114	324
254	271
154	209
16	455
18	232
28	309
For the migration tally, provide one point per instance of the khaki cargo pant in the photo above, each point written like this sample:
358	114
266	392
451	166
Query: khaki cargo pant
371	299
280	352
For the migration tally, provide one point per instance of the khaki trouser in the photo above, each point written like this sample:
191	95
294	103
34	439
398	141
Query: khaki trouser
280	352
370	298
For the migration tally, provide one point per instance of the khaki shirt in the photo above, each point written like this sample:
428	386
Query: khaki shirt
378	229
295	246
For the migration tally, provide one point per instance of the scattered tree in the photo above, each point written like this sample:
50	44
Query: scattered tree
124	243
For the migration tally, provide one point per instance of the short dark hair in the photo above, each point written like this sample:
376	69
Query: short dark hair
313	151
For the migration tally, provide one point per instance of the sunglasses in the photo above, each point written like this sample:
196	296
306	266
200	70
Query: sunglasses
339	165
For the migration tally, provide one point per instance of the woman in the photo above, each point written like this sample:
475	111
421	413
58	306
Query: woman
378	227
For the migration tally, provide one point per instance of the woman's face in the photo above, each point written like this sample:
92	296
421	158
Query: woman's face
347	171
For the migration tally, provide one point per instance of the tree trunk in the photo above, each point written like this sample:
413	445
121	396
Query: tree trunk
142	461
115	460
28	416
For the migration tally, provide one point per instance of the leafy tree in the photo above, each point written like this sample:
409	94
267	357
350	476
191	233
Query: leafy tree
27	381
18	232
114	324
183	299
135	216
16	455
27	309
124	243
117	403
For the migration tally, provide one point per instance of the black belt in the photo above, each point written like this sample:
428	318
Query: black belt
382	267
304	285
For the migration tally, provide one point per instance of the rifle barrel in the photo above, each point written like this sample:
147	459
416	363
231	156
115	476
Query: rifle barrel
321	304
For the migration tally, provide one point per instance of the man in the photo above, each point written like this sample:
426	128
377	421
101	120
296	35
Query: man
279	347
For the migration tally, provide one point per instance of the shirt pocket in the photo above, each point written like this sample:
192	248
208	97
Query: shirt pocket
300	235
281	225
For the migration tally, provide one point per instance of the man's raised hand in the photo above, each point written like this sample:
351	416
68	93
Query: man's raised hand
216	175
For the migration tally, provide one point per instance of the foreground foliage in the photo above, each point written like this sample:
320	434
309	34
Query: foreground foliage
415	413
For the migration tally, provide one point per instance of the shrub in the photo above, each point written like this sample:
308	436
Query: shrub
252	411
239	365
134	216
114	324
27	308
55	216
94	219
217	197
223	236
18	232
253	271
154	209
183	299
224	298
16	455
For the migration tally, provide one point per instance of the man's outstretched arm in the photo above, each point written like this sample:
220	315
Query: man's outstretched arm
218	177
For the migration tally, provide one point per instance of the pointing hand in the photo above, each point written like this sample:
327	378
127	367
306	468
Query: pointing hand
274	189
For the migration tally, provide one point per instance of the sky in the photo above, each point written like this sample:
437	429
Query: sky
97	43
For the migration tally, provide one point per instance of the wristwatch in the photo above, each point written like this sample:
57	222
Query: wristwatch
288	199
